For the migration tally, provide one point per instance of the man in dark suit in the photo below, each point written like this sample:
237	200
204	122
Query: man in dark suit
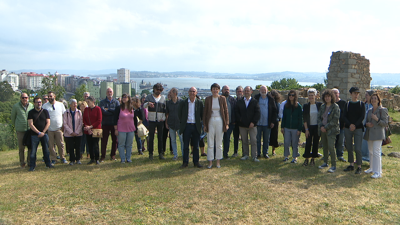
190	115
247	115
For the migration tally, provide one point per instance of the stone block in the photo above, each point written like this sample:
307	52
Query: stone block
351	70
345	55
352	80
350	61
344	75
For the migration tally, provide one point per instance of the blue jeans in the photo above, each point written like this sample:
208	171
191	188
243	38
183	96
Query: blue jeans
339	144
44	141
265	131
227	139
138	143
125	141
172	134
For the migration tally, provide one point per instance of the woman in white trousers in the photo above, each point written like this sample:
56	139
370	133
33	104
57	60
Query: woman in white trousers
376	122
216	122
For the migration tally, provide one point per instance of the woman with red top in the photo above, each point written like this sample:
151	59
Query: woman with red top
124	126
92	120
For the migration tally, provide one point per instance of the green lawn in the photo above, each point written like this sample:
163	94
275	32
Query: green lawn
158	192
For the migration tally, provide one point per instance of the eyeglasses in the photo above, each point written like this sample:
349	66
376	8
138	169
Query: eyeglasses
292	95
45	99
38	102
24	97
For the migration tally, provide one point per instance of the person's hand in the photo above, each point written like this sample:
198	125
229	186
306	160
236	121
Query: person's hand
151	104
251	125
116	132
307	133
166	125
298	133
369	124
283	131
205	129
86	128
352	127
323	129
73	134
374	117
227	127
272	125
41	134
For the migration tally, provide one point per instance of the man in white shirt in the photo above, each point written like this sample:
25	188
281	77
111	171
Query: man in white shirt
56	111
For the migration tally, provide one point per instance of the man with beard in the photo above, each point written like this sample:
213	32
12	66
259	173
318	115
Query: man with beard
231	103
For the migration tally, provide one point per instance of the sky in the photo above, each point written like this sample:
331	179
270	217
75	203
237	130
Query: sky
225	36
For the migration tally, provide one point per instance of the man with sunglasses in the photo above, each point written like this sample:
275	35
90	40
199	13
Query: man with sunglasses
39	122
156	104
19	118
45	99
56	111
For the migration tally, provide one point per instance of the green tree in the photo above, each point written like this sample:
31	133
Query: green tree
6	91
133	91
319	87
395	90
286	84
50	84
79	93
145	92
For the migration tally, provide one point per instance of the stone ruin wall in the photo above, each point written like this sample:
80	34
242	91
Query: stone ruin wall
346	70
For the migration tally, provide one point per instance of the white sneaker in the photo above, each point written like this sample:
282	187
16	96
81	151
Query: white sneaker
376	175
256	160
368	171
245	157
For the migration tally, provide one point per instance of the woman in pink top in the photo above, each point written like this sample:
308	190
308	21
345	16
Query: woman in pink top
73	123
125	127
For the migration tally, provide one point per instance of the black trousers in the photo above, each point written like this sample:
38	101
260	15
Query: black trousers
93	144
152	131
74	147
313	140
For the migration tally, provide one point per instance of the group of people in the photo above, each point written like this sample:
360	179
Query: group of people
333	122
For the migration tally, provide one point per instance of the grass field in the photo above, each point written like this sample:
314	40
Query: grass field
158	192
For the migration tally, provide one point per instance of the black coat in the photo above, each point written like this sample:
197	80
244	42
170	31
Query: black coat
244	116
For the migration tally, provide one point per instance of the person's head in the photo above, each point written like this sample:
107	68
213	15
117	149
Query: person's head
173	93
263	91
157	89
52	97
328	97
85	95
368	94
126	102
375	99
192	93
292	97
109	93
143	98
248	91
37	102
275	94
24	98
90	101
336	92
45	99
82	105
215	88
73	104
312	92
135	102
225	90
354	92
239	91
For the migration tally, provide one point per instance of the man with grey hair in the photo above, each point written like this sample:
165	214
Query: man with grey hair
73	123
247	115
172	121
108	106
86	95
231	103
236	132
267	119
19	119
339	144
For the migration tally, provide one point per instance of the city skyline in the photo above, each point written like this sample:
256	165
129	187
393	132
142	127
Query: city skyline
213	36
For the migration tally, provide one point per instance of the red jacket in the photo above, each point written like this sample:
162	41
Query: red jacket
92	117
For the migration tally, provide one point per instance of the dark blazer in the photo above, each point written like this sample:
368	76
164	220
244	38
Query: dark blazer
183	114
272	110
244	116
223	109
306	112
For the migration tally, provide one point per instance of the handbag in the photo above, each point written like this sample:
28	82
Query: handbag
142	131
27	139
96	133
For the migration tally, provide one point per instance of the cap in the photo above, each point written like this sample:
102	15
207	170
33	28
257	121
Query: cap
354	89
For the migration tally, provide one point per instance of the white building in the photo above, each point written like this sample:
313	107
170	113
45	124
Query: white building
13	80
34	81
123	75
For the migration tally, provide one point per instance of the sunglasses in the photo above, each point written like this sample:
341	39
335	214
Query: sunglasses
24	97
292	95
38	102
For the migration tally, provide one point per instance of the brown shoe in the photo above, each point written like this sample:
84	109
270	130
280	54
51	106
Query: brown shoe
88	156
23	166
113	158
